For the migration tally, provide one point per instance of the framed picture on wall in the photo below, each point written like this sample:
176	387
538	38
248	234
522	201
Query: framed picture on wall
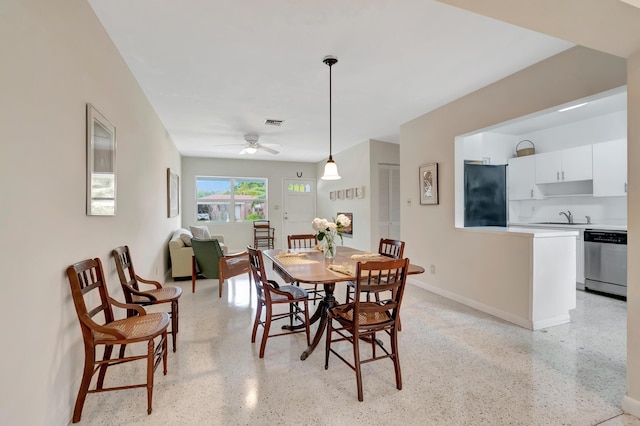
332	195
429	184
359	192
173	194
348	193
340	194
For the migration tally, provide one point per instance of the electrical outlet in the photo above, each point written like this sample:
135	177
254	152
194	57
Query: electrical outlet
433	269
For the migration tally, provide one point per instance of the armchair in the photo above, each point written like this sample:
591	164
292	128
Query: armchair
209	261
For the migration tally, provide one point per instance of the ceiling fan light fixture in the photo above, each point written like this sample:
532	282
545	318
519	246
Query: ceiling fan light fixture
250	150
331	168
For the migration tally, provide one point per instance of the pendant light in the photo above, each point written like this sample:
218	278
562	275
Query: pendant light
330	169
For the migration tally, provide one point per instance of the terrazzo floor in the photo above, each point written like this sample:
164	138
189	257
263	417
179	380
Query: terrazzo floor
459	366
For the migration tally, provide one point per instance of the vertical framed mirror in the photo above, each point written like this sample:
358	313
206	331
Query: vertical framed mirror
101	164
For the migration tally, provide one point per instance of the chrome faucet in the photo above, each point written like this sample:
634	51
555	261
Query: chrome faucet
569	216
588	220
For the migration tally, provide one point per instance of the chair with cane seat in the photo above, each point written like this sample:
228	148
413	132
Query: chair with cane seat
133	293
363	320
100	329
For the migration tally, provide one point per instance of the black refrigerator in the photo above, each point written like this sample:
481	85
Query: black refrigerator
485	195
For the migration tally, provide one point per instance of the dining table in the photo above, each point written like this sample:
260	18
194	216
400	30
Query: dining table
309	265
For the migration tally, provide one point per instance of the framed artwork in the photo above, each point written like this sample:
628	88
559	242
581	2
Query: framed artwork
173	194
332	195
348	231
101	164
340	194
359	192
429	184
348	193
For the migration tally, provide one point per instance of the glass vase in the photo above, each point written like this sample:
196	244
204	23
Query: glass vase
329	246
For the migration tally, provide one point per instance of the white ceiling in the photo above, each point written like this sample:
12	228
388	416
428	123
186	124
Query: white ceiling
215	70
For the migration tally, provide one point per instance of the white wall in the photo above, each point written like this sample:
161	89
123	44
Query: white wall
56	57
238	235
358	166
476	266
632	403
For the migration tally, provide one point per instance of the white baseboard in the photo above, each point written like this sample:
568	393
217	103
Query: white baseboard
522	322
631	406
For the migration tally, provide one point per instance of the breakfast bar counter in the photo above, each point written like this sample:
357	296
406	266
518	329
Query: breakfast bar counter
550	290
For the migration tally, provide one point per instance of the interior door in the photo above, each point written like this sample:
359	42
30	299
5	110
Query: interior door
388	202
299	207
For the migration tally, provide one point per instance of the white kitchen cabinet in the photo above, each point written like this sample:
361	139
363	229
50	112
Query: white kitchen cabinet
567	165
522	179
610	168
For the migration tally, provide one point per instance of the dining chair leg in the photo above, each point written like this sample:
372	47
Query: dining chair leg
256	322
108	349
306	322
267	327
174	322
396	359
84	383
150	352
356	363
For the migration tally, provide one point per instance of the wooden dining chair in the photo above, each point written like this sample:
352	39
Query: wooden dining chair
387	247
134	293
362	320
209	261
270	295
263	234
306	241
100	329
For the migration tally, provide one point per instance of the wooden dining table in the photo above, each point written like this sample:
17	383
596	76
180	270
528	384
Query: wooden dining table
310	266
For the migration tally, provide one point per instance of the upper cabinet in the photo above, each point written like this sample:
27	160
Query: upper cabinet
522	178
567	165
610	168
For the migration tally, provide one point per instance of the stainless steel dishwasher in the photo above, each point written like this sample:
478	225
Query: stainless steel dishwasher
605	261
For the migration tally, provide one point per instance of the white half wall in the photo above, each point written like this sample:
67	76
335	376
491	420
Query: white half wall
482	267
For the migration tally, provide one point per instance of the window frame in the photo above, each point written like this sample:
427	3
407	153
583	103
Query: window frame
232	197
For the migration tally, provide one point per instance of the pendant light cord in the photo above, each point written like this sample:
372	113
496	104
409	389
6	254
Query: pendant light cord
330	112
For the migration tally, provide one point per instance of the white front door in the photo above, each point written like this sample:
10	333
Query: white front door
299	207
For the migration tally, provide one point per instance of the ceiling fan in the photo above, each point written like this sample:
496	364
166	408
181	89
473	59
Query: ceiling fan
253	145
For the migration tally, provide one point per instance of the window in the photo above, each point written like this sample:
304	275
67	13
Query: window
225	199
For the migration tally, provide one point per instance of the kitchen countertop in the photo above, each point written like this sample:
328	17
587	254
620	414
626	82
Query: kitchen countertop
535	232
571	226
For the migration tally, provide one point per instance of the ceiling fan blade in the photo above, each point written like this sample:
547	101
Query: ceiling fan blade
264	148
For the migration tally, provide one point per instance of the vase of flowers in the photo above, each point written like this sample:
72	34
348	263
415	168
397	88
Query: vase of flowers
328	231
